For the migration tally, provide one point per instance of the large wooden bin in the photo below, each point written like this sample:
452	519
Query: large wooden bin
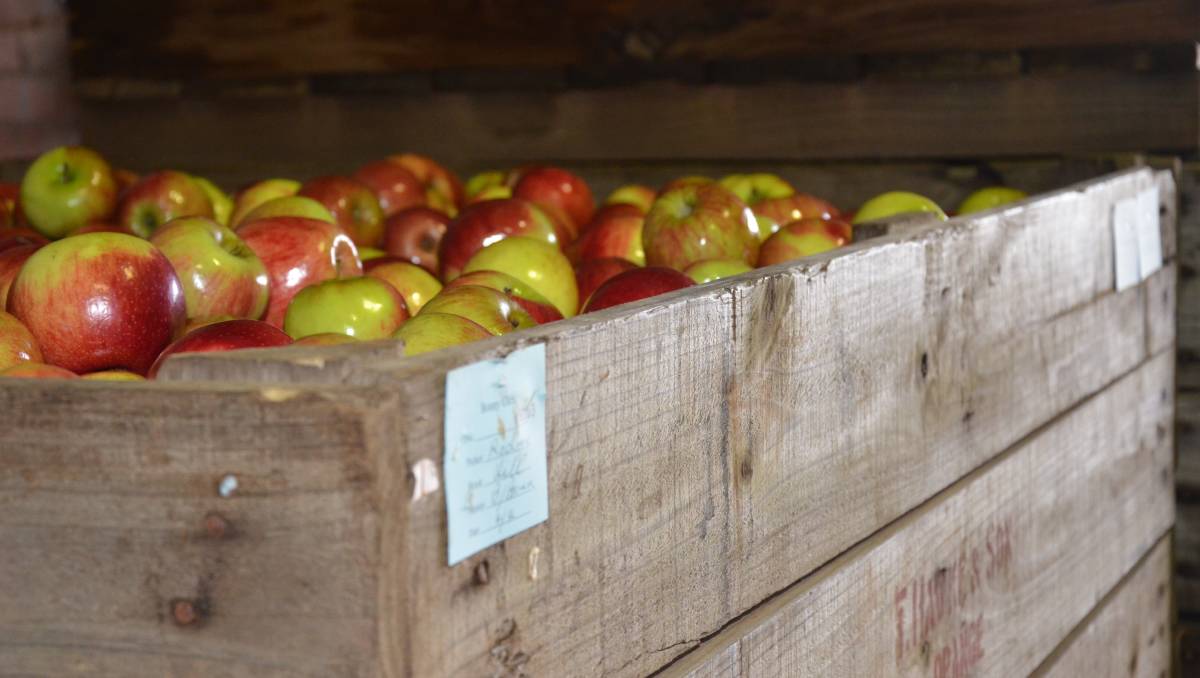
943	452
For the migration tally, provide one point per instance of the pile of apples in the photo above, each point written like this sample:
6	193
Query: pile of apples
104	274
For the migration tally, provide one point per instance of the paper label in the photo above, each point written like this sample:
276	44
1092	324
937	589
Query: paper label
1150	256
1125	243
495	455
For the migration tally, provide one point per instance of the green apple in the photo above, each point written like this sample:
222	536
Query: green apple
222	205
641	197
414	283
256	194
491	193
754	188
535	262
526	297
987	198
288	206
494	311
483	181
363	308
366	254
432	331
896	202
715	269
220	274
66	188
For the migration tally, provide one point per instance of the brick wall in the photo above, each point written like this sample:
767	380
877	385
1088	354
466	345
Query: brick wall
36	106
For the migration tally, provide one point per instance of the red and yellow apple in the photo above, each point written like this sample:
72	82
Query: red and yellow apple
775	212
11	261
560	191
537	306
220	274
229	335
637	284
288	206
66	188
414	283
433	331
160	197
486	223
434	176
353	206
536	263
697	222
395	187
17	344
494	311
590	274
805	238
615	231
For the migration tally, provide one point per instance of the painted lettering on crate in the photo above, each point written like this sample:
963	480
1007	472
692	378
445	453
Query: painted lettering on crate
933	625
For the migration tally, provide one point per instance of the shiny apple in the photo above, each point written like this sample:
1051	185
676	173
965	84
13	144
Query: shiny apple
896	202
590	274
494	311
641	197
353	206
159	198
66	188
229	335
716	269
17	344
289	206
222	204
615	231
538	264
395	187
805	238
433	331
537	306
257	193
775	212
366	308
414	283
220	274
487	223
698	222
434	176
640	283
561	191
757	187
415	234
990	198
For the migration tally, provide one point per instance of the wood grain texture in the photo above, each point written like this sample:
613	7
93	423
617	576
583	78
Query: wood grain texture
1187	423
272	38
790	415
938	592
1128	634
36	103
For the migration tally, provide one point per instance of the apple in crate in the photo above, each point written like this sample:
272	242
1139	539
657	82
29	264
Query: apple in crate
640	283
289	206
222	205
641	197
486	223
11	261
494	311
805	238
99	301
159	198
37	371
716	269
395	187
66	188
494	193
325	339
298	252
755	188
112	375
775	212
413	283
220	274
365	308
698	222
434	176
893	203
415	234
539	265
102	227
17	344
257	193
989	198
519	291
592	273
562	192
680	182
228	335
432	331
353	206
615	231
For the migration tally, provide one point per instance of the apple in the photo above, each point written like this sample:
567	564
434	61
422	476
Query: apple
560	190
592	273
66	188
256	194
715	269
432	331
353	206
101	227
805	238
490	193
775	212
159	198
9	195
17	344
11	261
494	311
366	254
126	179
892	203
99	301
288	206
639	283
436	200
615	231
395	187
690	180
990	197
433	176
485	223
37	371
538	264
537	306
298	252
698	222
112	375
415	235
222	205
220	274
641	197
366	308
414	283
484	181
754	188
325	339
229	335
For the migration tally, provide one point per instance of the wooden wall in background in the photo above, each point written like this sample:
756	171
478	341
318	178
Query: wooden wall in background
36	105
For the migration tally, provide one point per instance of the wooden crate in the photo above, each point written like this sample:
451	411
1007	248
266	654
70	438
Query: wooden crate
943	452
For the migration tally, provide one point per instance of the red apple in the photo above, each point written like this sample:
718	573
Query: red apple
220	274
99	301
489	222
352	205
17	344
804	238
66	188
560	190
590	274
159	198
298	252
615	231
432	331
698	222
395	187
433	176
493	310
415	234
640	283
537	306
775	212
641	197
224	336
11	261
37	371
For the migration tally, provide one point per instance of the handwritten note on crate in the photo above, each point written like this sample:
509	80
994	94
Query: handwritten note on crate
495	456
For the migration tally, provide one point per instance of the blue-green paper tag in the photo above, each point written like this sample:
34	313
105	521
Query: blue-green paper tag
495	456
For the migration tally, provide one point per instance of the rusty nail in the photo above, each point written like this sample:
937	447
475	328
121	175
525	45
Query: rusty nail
215	525
481	573
184	612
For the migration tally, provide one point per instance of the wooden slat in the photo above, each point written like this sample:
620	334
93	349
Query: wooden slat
1187	423
191	37
1128	635
986	579
785	417
111	513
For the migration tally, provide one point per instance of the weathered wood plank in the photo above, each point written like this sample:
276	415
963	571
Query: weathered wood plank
938	592
785	416
1128	635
